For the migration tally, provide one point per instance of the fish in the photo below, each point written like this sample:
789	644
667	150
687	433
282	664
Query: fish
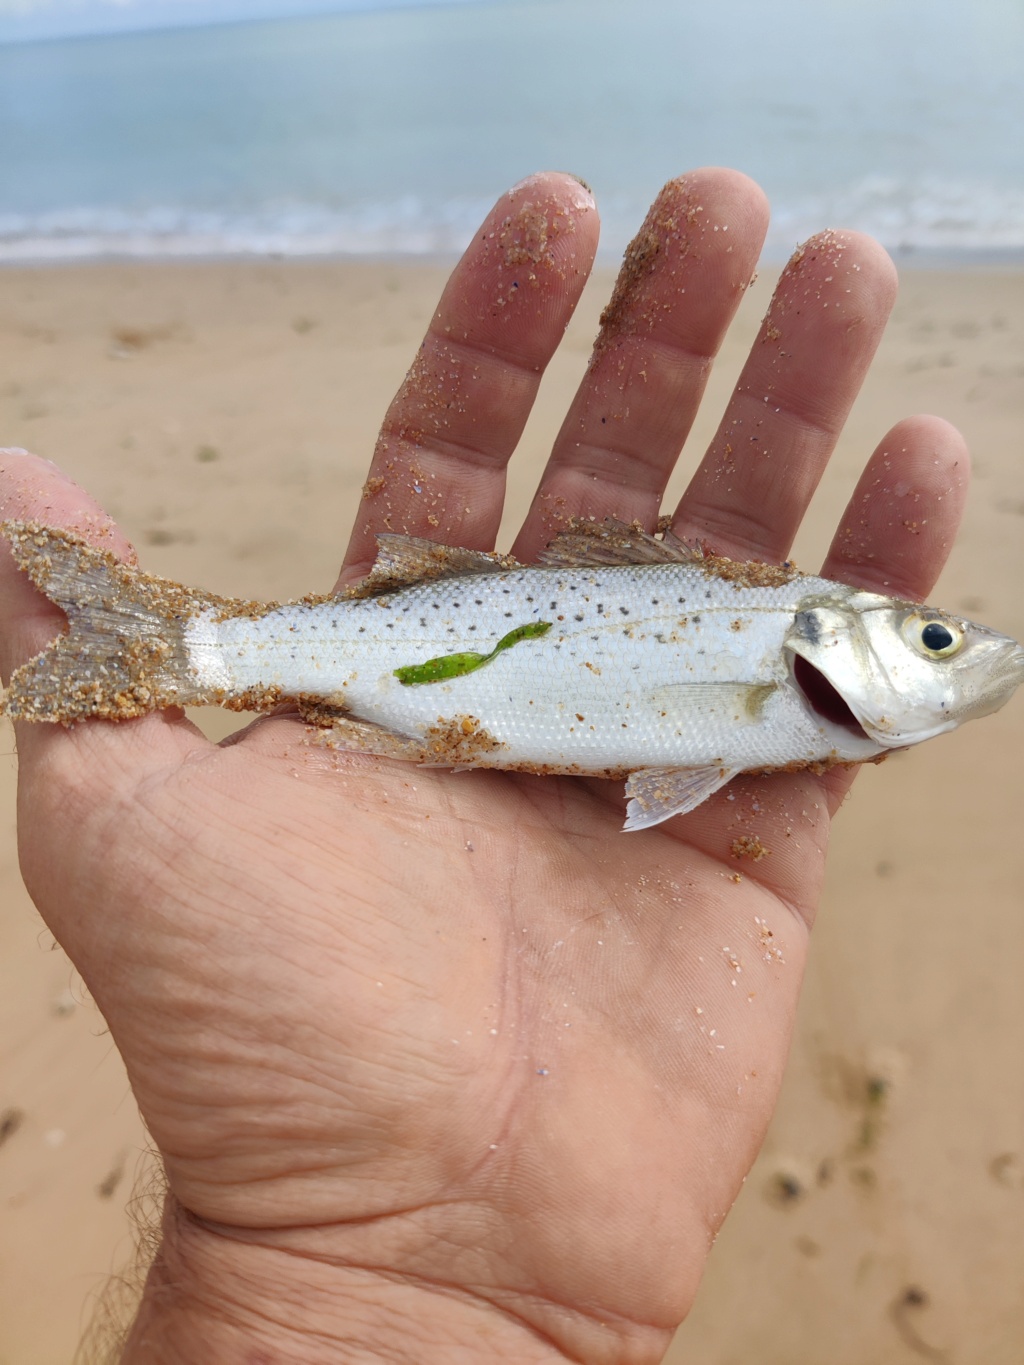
620	654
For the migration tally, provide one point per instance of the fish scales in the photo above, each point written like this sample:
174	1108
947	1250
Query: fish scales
635	669
620	654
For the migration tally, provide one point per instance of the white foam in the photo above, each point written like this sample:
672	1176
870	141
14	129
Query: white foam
405	226
927	216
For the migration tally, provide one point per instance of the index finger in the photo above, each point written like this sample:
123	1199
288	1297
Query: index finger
439	466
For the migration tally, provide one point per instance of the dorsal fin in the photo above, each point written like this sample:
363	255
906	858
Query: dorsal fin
403	561
615	542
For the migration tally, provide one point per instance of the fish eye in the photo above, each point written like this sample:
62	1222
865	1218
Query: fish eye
934	638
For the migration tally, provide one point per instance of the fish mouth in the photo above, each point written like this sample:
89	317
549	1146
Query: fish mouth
825	700
1013	671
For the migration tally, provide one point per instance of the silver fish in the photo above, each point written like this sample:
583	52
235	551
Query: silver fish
620	655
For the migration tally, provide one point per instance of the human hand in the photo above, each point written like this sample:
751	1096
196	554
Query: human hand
443	1066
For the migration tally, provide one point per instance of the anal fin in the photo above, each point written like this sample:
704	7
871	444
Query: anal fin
337	730
656	794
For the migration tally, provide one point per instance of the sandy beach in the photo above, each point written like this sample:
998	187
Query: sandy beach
225	414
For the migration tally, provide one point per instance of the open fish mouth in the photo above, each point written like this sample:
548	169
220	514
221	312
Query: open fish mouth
824	699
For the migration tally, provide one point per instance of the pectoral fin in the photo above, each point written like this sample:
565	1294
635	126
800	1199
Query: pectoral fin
655	794
739	703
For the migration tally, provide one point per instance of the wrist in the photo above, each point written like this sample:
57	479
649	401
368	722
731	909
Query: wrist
210	1297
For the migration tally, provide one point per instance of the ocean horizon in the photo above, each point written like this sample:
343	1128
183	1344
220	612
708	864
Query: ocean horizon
391	130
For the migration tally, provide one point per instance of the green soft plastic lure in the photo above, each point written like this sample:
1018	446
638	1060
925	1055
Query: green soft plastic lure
455	665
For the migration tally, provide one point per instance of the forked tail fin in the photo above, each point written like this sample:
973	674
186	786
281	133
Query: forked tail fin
124	653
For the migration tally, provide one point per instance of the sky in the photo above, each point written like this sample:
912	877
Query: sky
31	19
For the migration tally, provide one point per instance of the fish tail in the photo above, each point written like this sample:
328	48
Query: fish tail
124	653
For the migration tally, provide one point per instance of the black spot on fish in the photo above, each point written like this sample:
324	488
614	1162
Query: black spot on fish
809	626
624	610
577	618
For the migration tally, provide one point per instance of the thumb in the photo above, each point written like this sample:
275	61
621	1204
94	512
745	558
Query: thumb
34	489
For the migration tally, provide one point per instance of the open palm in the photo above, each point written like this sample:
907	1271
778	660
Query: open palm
443	1066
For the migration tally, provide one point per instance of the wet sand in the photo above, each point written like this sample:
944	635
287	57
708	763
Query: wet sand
225	414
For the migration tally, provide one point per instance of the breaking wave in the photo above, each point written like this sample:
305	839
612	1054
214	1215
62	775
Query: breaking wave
928	218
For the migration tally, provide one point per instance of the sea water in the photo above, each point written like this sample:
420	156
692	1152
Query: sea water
392	130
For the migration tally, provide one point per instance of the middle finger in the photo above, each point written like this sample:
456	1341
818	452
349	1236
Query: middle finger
681	282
